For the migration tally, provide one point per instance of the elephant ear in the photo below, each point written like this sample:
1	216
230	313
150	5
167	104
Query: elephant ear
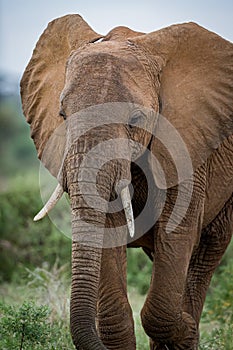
44	77
195	70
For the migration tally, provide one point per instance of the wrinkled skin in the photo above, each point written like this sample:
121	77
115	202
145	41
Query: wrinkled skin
172	72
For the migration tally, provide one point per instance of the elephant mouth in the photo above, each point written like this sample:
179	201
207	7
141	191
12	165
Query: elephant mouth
125	198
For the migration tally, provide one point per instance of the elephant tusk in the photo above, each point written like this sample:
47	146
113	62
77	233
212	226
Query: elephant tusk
126	201
58	192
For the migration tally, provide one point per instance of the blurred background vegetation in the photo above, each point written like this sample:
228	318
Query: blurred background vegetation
35	257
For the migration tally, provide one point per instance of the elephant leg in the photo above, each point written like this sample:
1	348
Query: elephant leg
163	317
153	346
213	243
115	320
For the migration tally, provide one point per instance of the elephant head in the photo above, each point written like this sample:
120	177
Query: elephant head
123	88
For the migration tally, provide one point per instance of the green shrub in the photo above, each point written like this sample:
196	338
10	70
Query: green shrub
24	243
217	317
219	302
46	323
218	339
28	328
53	288
16	147
24	327
139	270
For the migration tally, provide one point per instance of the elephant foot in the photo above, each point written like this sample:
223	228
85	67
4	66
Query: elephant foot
162	347
154	346
186	338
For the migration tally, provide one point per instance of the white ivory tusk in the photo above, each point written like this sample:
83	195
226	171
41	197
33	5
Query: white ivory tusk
58	192
126	201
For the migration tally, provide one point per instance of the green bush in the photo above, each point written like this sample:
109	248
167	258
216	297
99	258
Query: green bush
28	328
217	317
53	289
16	147
139	270
24	327
46	292
24	243
219	301
218	339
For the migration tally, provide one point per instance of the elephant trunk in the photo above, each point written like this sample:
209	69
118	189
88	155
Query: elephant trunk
86	265
88	233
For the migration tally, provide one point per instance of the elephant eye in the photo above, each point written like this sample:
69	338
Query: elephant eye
136	119
62	114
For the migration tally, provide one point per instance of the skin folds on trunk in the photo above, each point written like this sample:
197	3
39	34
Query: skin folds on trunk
86	265
86	262
88	230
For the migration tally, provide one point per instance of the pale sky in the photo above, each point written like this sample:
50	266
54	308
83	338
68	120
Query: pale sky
22	21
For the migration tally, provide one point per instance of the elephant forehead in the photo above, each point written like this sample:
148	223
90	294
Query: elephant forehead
101	56
113	48
108	73
95	79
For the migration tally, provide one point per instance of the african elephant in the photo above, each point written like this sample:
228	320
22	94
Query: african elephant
160	104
